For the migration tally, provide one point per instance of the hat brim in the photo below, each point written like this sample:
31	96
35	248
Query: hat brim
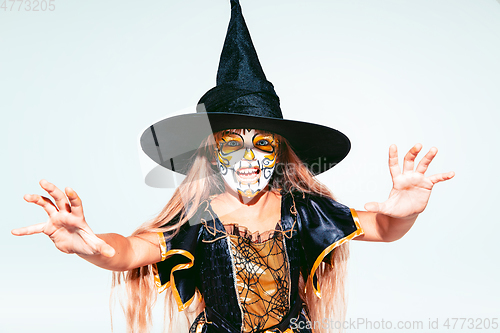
172	142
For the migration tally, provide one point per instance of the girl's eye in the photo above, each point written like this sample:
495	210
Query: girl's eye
262	143
232	143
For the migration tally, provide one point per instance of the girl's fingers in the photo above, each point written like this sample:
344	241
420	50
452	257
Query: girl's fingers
441	177
43	202
409	159
393	161
32	229
76	202
58	195
426	160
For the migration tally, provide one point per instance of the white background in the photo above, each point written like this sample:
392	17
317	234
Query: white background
80	83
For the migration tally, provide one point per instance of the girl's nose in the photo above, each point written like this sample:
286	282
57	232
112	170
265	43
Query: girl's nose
249	155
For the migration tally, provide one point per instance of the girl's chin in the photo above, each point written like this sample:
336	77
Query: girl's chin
248	181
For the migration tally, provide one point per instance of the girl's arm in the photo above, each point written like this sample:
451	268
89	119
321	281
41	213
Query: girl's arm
390	220
130	252
383	228
70	233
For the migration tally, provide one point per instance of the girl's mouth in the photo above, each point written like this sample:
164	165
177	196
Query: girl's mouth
248	175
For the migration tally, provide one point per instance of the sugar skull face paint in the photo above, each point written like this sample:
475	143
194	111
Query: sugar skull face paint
247	160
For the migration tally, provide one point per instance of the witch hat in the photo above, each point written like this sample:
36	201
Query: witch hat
242	98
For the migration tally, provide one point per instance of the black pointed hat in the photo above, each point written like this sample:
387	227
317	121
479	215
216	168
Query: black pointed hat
242	98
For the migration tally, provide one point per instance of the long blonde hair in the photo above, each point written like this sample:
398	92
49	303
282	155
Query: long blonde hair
201	182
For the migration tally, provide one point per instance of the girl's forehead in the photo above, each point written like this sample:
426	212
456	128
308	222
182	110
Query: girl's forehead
245	132
248	133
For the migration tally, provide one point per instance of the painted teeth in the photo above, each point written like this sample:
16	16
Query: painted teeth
247	172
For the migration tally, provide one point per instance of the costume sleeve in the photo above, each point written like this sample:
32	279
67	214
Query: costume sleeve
176	268
323	225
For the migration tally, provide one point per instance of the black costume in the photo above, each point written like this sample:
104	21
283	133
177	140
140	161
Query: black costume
231	272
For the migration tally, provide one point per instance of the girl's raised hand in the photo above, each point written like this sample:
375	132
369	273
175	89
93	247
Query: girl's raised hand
66	225
411	188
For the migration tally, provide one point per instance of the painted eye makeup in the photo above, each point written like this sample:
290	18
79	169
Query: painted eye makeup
264	142
231	143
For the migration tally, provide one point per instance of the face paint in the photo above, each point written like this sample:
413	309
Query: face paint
247	160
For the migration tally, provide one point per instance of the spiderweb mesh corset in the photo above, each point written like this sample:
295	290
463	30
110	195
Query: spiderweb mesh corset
262	279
